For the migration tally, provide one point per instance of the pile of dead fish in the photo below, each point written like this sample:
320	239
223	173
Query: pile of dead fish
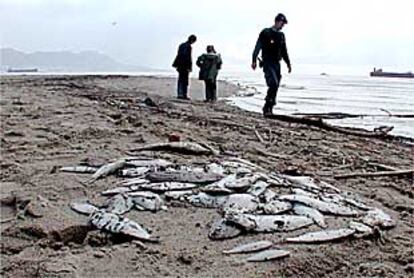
248	198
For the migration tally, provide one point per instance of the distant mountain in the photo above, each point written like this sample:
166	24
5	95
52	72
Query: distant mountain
62	61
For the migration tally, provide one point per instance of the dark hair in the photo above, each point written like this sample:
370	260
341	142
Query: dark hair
210	48
192	38
281	17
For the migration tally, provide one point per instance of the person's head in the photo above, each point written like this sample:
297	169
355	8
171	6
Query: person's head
280	21
210	49
192	39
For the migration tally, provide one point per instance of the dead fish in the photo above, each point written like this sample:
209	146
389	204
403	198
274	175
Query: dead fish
356	203
311	213
242	183
79	169
268	255
377	217
149	163
247	163
183	176
241	203
322	206
83	208
276	207
269	223
206	200
310	184
180	147
258	188
108	169
322	236
121	189
220	186
178	195
134	181
144	200
250	247
299	191
267	196
115	224
134	172
360	228
168	186
119	204
215	169
221	229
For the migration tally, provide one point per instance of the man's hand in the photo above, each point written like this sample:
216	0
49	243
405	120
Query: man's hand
254	65
289	68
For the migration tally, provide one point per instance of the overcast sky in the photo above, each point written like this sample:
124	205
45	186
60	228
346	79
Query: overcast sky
147	32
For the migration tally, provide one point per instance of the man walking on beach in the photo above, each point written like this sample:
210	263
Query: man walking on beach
183	63
272	43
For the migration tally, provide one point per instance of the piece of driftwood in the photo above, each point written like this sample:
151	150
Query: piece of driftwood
339	115
375	174
259	137
267	153
349	131
383	167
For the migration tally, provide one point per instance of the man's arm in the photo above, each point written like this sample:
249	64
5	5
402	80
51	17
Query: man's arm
285	55
256	51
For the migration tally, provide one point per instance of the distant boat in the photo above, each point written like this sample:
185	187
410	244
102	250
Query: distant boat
22	70
380	73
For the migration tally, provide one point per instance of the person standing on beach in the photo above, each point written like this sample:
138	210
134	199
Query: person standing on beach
183	64
209	64
272	43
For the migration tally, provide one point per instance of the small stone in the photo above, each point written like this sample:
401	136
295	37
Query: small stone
99	254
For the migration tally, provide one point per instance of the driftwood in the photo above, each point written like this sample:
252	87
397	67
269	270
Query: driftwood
267	153
382	166
259	137
349	131
375	174
339	115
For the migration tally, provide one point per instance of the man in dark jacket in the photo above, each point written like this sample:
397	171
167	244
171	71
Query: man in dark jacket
210	64
272	43
183	63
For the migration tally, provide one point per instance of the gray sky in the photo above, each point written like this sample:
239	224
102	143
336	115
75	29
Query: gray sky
147	32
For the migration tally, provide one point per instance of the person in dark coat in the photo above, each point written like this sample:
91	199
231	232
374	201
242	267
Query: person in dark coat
183	64
272	43
210	64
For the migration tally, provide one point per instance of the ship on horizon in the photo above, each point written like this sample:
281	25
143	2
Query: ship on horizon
23	70
381	73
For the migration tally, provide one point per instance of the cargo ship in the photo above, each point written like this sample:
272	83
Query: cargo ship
380	73
22	70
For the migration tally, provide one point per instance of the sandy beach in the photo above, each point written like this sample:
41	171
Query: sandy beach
52	121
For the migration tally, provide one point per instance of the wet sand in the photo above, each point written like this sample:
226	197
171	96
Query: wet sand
53	121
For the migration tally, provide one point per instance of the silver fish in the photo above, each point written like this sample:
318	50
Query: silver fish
183	176
119	204
220	186
356	203
120	190
311	183
215	169
135	172
312	213
134	181
149	163
79	169
377	217
115	224
276	207
241	203
108	169
221	229
180	147
322	236
268	255
361	229
299	191
268	196
258	188
83	208
247	163
269	223
178	195
144	200
250	247
169	186
242	183
207	201
322	206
